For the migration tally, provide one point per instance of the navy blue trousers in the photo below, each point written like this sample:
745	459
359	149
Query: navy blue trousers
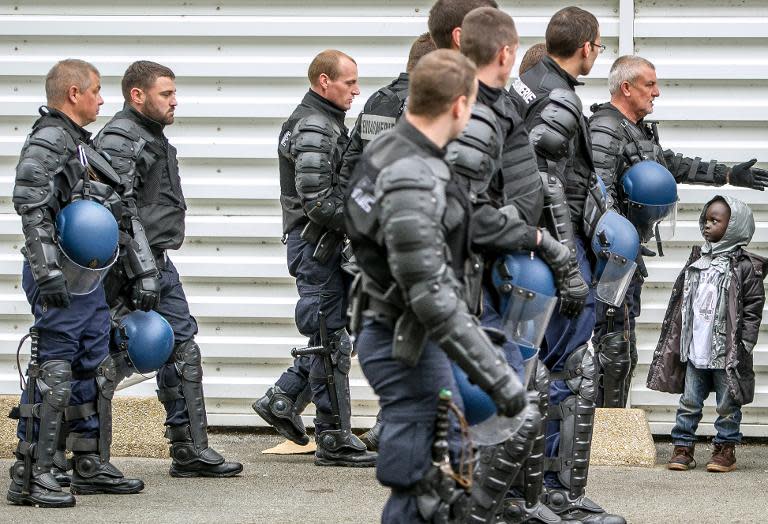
408	397
321	287
563	336
78	334
174	308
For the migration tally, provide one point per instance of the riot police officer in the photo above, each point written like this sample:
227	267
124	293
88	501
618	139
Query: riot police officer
140	153
408	223
573	204
62	183
311	144
621	137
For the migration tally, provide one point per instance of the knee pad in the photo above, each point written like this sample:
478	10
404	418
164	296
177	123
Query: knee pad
188	360
342	354
55	383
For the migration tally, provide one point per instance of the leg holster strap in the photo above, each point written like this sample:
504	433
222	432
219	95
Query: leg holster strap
80	411
77	443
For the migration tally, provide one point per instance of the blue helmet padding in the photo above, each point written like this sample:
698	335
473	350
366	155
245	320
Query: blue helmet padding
614	234
649	183
87	233
147	337
478	406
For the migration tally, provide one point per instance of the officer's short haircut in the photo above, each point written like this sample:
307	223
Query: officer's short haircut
438	80
328	62
485	31
533	56
626	69
447	15
143	74
420	47
569	29
65	74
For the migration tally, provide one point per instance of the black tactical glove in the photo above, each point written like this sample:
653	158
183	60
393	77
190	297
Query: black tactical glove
573	293
644	252
744	175
556	255
53	292
145	292
509	396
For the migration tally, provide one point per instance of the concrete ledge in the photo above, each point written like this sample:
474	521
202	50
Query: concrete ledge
622	437
137	427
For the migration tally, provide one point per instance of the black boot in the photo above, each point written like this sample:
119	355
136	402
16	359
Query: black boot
91	476
283	414
339	448
371	437
581	508
61	467
44	491
188	461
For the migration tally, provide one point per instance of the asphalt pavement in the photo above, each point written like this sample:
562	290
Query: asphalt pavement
290	489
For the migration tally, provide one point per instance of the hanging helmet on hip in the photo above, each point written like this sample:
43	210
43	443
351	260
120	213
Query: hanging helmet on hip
147	337
650	193
528	296
616	245
87	236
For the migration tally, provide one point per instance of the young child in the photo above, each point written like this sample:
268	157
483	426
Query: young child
709	331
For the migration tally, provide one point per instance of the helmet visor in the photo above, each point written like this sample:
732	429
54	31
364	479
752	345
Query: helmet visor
653	222
527	316
615	280
495	430
530	358
83	280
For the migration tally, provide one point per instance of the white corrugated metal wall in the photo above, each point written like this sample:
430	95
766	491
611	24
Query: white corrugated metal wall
241	67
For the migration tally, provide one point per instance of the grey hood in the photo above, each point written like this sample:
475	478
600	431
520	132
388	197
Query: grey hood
740	229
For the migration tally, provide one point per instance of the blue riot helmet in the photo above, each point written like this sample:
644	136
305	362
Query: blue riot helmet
486	426
650	192
616	245
528	296
147	337
87	234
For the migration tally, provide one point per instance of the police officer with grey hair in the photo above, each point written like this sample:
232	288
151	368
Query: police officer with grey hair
621	137
310	149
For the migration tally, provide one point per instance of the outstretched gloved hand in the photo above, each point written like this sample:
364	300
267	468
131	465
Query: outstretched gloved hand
744	175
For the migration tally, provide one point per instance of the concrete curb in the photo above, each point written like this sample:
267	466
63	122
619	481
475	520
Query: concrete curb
137	427
622	437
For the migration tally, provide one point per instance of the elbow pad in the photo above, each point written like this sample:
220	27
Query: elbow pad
551	139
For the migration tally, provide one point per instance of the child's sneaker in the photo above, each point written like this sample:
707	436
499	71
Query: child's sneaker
723	458
682	459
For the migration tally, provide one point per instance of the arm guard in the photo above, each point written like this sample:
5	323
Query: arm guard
476	154
351	156
312	146
607	148
138	261
556	213
559	123
44	156
694	171
501	230
413	200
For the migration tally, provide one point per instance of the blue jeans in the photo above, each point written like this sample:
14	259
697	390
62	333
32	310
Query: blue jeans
698	384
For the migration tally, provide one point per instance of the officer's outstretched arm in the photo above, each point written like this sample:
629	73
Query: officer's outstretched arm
606	153
43	157
412	196
693	171
124	147
312	147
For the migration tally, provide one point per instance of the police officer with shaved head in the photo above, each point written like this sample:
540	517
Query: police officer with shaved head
622	138
409	221
310	149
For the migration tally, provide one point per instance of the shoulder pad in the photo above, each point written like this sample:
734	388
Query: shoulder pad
127	128
567	99
412	172
315	123
605	122
476	153
53	138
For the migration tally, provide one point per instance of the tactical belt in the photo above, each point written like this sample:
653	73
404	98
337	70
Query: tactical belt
382	311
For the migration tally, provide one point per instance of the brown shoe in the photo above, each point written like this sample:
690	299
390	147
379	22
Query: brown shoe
723	458
682	459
